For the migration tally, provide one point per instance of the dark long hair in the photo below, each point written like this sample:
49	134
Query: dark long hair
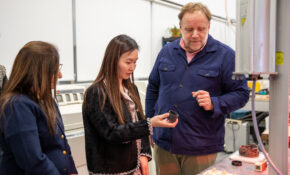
107	80
34	72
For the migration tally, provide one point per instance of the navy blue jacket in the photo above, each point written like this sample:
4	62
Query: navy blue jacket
27	147
171	84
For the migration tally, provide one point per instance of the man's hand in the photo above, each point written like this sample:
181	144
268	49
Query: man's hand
144	165
203	99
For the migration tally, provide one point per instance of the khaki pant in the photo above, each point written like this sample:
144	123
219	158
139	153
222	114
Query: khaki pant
176	164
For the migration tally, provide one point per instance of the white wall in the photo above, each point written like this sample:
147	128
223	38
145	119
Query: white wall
97	22
217	7
163	18
26	20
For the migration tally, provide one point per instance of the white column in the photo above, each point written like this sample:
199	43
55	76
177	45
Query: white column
278	127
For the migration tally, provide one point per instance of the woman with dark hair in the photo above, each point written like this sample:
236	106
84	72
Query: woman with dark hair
32	137
116	131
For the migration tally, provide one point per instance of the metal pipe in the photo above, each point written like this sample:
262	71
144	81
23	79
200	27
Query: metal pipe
74	41
279	91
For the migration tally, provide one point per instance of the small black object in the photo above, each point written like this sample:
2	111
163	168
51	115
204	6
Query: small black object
236	163
172	116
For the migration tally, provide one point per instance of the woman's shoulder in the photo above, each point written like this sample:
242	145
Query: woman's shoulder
21	99
93	95
21	102
96	90
93	90
20	105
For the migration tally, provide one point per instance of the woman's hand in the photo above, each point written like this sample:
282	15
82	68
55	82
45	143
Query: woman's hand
144	165
160	121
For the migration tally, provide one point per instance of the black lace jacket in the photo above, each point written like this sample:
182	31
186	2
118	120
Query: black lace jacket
111	147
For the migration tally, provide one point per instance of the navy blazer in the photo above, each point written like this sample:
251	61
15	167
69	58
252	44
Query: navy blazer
27	146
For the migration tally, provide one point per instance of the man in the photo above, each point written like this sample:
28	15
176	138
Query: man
193	76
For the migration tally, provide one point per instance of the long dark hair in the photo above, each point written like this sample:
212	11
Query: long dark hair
34	72
107	80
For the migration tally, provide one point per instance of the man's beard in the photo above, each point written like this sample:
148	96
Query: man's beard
196	50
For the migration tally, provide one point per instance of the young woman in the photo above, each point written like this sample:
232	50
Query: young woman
116	131
32	139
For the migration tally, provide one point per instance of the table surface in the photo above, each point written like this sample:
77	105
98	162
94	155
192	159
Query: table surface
226	164
246	168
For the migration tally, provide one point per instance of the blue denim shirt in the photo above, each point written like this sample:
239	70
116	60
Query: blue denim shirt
170	87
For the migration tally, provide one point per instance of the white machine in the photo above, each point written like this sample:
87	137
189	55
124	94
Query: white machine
70	99
260	50
255	37
236	134
69	94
